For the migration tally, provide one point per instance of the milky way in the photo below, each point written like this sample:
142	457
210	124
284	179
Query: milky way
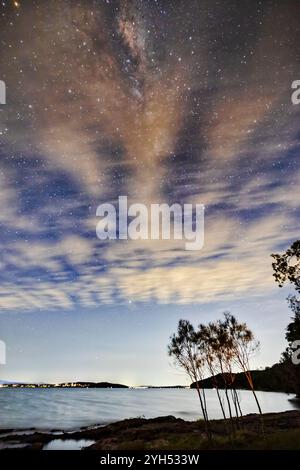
163	101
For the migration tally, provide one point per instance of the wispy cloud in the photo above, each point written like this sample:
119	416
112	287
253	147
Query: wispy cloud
101	104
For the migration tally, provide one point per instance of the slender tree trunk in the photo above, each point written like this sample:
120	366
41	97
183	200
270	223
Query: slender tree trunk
204	402
220	400
240	421
229	405
204	413
235	407
195	377
217	389
238	403
221	403
250	382
227	397
256	399
260	413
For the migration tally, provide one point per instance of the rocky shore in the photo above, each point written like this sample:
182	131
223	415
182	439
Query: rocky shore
282	431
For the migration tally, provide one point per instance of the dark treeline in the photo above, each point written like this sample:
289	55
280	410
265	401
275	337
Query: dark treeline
270	379
286	268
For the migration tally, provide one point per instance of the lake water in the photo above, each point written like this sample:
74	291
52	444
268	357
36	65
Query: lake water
67	409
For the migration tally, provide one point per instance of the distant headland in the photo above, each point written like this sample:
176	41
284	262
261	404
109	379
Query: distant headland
64	385
7	384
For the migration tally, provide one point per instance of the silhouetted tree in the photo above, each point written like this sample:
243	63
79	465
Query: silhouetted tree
243	345
183	348
219	344
218	348
204	338
287	268
293	328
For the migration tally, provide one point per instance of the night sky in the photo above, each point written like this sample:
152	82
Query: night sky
162	101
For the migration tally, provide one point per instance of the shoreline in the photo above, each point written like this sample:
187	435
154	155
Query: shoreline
164	433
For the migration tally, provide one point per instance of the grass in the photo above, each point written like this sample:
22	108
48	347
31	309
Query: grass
243	440
279	440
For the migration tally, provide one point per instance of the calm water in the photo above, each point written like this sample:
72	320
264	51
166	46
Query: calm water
72	408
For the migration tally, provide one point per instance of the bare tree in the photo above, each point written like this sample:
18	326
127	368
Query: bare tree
183	348
219	348
243	346
219	344
205	345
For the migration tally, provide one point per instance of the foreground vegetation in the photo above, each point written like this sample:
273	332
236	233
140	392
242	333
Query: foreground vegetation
282	431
